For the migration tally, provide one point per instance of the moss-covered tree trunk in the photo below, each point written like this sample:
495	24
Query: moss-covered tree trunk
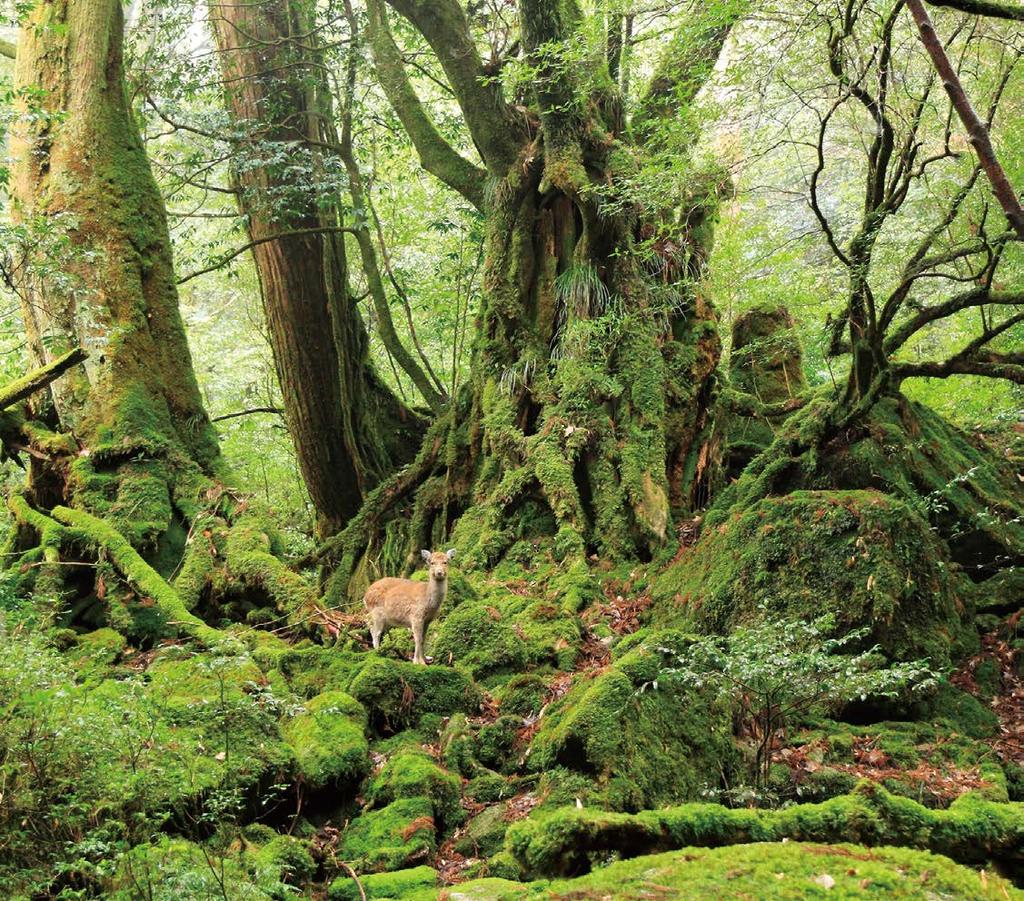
587	417
348	429
124	463
81	174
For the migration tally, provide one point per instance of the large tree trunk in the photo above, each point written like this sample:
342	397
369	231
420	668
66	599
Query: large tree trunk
587	417
125	464
81	175
348	429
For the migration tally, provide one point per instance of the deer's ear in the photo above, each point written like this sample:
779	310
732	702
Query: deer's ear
425	555
451	554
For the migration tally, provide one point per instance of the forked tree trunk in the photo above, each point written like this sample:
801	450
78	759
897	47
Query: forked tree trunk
587	420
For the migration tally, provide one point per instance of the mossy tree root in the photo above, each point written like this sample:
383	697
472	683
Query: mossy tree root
972	830
136	571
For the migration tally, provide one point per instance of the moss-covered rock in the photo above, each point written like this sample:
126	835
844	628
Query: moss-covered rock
411	773
399	884
392	838
484	834
477	636
863	555
964	490
642	748
792	870
329	741
397	693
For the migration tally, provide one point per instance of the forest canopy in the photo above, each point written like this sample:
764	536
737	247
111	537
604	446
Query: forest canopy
688	335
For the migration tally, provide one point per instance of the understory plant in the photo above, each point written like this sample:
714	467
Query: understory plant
775	669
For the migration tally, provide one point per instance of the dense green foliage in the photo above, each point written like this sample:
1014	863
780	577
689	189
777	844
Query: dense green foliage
694	328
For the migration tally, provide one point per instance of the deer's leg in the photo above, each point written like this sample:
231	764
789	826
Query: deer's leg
376	626
419	627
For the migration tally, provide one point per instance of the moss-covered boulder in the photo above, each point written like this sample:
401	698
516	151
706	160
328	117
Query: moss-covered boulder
773	871
962	488
641	748
865	556
411	773
478	636
484	835
329	741
396	836
397	693
220	728
399	884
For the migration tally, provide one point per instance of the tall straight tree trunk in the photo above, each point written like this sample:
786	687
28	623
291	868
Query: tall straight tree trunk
125	464
348	428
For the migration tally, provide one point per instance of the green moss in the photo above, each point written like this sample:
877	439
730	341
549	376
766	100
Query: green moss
488	788
772	871
963	711
392	838
98	650
139	574
329	741
384	885
972	829
864	555
398	693
523	695
411	773
641	747
484	834
288	857
478	637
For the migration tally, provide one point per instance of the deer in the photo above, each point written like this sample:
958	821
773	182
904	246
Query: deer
404	602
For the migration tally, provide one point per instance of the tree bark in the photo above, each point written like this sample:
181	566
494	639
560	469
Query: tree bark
125	462
346	426
588	412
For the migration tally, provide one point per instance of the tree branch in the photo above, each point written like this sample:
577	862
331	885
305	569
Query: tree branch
436	155
977	133
976	297
27	385
983	8
238	251
498	131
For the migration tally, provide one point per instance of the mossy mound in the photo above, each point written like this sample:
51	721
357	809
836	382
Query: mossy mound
477	636
222	727
963	489
399	884
641	748
329	742
396	836
793	870
397	693
570	840
410	773
172	869
863	555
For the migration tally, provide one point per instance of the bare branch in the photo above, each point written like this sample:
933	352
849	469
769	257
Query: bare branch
977	132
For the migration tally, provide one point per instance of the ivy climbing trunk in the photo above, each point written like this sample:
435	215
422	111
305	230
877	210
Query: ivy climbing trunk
347	427
125	465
